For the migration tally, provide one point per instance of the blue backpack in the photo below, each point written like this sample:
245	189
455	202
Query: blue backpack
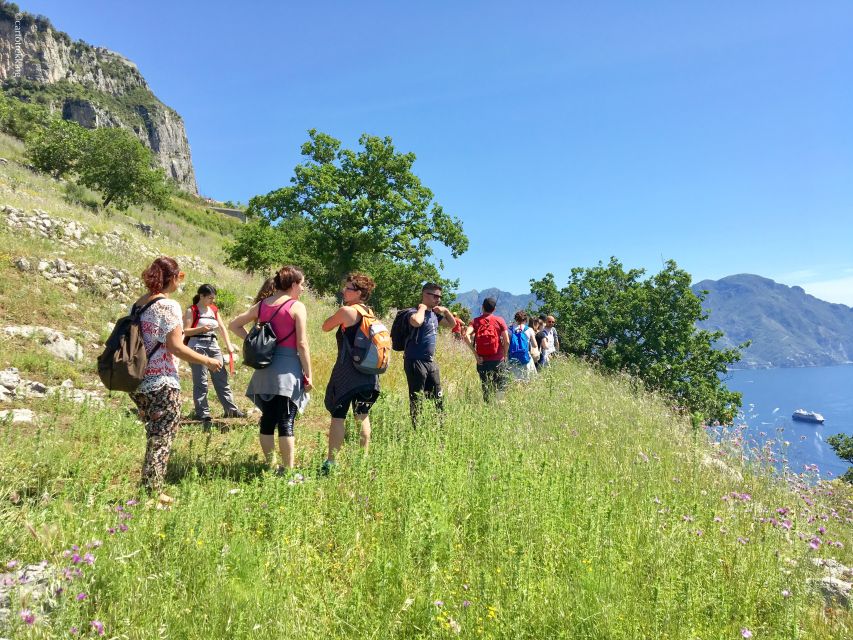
519	344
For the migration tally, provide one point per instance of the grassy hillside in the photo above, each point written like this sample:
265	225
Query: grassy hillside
577	508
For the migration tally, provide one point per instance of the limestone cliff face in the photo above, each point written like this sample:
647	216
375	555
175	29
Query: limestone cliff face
93	86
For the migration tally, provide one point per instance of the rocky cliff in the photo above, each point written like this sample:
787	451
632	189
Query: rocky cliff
91	85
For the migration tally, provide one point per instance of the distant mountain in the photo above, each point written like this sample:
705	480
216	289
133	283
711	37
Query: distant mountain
508	303
788	327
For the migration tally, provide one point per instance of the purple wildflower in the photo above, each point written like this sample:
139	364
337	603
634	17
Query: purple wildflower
75	559
439	603
782	511
27	616
111	531
74	631
742	540
89	558
466	603
132	502
11	564
786	593
821	530
787	524
98	627
81	596
95	544
746	633
814	543
122	527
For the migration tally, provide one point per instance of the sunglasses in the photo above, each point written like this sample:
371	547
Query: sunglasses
434	295
348	288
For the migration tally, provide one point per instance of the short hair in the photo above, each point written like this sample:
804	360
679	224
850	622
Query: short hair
489	304
551	319
363	282
160	273
542	317
431	286
288	276
520	316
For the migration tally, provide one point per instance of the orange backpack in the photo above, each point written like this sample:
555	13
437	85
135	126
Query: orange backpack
371	349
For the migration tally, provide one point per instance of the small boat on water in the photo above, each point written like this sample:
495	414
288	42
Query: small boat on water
807	416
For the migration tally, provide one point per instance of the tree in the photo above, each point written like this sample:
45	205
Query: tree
646	328
57	148
358	210
842	444
115	163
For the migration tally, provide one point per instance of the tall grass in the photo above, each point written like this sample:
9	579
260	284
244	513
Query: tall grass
576	509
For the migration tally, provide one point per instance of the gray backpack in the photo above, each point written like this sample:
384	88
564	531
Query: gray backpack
122	364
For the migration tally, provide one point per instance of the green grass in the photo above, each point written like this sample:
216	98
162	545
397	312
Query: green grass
578	508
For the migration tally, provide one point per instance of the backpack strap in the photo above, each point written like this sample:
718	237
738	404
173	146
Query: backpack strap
137	315
196	316
289	303
215	311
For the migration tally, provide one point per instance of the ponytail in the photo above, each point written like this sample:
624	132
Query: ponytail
204	290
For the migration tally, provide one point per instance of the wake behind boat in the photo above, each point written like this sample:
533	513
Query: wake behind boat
807	416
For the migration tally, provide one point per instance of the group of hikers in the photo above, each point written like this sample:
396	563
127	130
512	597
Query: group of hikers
280	388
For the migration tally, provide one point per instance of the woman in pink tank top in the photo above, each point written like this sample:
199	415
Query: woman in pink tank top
280	390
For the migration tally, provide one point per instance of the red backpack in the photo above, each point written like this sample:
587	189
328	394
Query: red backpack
487	340
197	315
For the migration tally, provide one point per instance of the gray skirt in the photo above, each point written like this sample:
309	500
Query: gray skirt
282	378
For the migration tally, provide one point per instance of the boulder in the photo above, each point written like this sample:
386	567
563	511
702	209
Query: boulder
10	379
17	415
22	263
54	341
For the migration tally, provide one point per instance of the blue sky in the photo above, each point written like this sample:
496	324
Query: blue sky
716	134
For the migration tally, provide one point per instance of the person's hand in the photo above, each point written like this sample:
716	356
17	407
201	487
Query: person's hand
439	311
232	349
422	307
306	380
214	364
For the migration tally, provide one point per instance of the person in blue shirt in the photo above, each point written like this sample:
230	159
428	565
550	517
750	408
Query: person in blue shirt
419	362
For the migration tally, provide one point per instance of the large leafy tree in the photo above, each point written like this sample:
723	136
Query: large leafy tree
842	444
57	148
353	210
647	328
115	163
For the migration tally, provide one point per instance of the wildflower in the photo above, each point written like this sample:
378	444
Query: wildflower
782	511
98	627
81	596
27	616
111	530
821	530
746	633
687	518
699	532
11	564
785	593
74	631
233	492
656	500
466	603
122	527
814	543
89	559
439	603
95	544
75	559
132	502
455	627
717	519
743	540
787	524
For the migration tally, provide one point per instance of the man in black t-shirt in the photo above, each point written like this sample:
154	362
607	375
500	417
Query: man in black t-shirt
419	355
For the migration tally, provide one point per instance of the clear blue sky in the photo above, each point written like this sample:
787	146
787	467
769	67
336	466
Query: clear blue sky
718	134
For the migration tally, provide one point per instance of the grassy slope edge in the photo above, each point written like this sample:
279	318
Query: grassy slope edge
578	508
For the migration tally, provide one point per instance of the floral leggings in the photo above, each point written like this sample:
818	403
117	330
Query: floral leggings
161	411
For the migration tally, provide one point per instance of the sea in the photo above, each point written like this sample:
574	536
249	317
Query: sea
770	396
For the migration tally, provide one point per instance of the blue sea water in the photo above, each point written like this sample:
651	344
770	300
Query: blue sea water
770	397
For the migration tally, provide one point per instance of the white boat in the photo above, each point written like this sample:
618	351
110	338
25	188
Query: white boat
807	416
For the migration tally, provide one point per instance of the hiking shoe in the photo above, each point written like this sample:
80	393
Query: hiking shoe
235	414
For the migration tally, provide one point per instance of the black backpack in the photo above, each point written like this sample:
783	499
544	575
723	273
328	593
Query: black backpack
259	346
122	364
401	329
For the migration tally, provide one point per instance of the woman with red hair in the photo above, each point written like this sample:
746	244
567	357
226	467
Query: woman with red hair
158	397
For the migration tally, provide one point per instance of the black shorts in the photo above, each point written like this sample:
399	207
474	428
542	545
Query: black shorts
423	377
360	401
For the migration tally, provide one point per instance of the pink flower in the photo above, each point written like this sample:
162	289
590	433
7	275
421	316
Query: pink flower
81	596
814	543
27	616
785	593
787	524
746	633
89	558
98	627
